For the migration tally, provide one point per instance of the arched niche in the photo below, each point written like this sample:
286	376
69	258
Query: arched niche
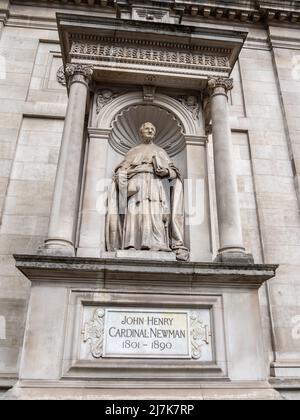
190	125
114	129
124	134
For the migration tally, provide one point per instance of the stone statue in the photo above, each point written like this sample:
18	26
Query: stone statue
145	202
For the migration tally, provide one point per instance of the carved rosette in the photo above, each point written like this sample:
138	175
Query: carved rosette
93	333
79	73
200	334
219	82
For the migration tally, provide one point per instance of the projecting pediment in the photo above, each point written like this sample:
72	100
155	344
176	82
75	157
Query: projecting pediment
148	53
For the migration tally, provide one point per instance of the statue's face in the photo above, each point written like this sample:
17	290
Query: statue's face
148	132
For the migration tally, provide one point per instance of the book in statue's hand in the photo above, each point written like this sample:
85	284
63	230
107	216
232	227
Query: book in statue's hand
158	167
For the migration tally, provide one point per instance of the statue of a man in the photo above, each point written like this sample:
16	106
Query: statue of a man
145	203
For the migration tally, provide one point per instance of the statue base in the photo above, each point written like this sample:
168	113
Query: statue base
146	255
120	328
234	258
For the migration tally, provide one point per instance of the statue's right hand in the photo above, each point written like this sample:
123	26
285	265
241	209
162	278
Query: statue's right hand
162	172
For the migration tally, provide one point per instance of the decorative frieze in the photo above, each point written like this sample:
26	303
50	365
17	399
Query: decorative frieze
150	55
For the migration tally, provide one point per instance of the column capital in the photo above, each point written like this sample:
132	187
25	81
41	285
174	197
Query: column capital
79	73
224	83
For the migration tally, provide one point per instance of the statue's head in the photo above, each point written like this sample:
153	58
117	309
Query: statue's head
147	132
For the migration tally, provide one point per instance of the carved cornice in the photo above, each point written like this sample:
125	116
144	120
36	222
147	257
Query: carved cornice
89	272
254	11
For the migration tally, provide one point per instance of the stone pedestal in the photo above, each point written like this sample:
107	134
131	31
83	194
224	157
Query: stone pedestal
72	350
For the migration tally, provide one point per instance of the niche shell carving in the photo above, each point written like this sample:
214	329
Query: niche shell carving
125	129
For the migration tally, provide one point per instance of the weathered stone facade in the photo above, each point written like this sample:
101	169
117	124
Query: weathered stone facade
263	45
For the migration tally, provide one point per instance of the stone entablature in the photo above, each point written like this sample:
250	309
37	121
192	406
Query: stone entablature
235	10
148	48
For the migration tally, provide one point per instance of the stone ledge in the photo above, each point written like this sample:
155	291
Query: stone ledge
91	271
58	390
285	383
7	383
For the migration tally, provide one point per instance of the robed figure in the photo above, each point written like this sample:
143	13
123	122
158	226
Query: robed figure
145	201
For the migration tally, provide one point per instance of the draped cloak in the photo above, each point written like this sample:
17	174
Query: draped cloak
146	211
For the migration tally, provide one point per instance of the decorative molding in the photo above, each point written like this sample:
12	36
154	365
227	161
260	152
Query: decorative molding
93	333
191	103
104	97
168	55
61	77
200	334
195	140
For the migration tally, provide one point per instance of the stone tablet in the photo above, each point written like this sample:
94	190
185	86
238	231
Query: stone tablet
145	333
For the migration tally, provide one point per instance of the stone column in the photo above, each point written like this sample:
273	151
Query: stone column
229	220
63	219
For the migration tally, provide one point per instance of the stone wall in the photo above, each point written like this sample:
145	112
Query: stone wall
265	108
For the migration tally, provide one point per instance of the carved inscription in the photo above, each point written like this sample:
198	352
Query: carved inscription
144	333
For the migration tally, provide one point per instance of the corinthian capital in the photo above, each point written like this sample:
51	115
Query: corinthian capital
219	82
79	73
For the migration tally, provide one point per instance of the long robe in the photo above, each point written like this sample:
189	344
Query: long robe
146	211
